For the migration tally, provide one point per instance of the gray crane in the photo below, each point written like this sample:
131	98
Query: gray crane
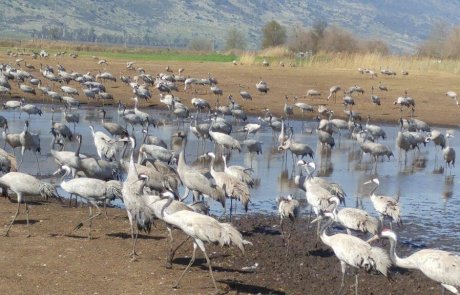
105	146
288	109
69	90
253	146
313	93
405	141
440	266
262	86
27	88
30	109
96	168
240	172
71	117
387	207
138	211
29	141
224	140
196	182
157	203
61	129
325	138
448	152
333	92
298	149
374	98
233	187
25	185
250	128
12	139
288	208
151	151
354	252
204	229
375	130
304	107
92	190
151	139
354	219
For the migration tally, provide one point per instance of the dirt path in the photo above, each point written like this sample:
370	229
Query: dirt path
53	261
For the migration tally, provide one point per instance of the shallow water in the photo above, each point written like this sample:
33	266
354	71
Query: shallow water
428	198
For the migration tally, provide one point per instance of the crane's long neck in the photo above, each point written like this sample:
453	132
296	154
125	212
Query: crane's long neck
211	166
77	152
181	162
373	190
225	163
400	262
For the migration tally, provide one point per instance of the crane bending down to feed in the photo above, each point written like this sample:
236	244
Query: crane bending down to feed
440	266
90	189
204	229
25	185
354	252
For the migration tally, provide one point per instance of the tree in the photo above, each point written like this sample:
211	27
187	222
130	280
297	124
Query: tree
274	34
235	39
433	46
200	44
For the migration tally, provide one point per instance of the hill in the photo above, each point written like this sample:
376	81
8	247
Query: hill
402	24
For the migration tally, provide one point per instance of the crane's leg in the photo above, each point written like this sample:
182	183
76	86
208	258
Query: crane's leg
291	228
38	164
356	283
27	218
173	253
209	266
134	238
187	191
282	230
22	157
171	240
14	218
344	269
176	285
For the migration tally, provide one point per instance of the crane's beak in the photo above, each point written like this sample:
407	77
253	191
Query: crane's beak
57	172
319	218
374	238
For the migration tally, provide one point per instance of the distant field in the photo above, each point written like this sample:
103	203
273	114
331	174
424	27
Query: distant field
275	56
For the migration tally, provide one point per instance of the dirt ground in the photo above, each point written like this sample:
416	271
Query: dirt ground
55	261
428	89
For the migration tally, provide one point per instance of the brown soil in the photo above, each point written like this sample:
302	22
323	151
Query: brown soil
428	89
54	261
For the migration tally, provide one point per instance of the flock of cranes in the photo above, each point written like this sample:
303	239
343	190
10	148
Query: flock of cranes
149	187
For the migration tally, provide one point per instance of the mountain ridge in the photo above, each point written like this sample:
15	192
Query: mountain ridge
401	24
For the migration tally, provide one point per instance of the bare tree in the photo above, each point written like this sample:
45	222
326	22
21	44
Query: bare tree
274	34
434	44
235	39
201	44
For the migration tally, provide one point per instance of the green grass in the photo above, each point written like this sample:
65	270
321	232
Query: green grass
145	54
163	56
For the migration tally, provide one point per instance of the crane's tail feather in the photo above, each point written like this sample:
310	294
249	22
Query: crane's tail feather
380	260
113	190
230	235
48	191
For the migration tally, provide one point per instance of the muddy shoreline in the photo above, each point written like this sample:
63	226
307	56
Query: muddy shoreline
53	261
